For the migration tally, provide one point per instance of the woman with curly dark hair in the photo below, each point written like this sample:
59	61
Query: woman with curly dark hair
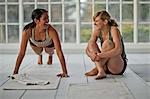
42	36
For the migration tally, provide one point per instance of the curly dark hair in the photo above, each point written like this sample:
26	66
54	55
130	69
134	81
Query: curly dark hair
36	14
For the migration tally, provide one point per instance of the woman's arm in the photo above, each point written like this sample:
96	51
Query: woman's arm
55	38
117	50
92	47
22	51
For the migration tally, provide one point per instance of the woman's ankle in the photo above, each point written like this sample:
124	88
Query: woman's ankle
40	59
50	60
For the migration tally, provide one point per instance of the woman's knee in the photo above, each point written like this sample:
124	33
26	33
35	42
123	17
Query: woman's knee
49	51
107	45
39	51
93	47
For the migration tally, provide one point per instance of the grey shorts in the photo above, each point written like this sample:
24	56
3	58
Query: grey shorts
123	70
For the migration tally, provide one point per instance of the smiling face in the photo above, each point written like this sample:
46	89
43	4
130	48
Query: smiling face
101	20
99	23
43	20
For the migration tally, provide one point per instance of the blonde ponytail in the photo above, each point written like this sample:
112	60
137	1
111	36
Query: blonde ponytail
112	22
104	15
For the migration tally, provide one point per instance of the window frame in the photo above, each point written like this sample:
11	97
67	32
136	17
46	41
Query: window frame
20	3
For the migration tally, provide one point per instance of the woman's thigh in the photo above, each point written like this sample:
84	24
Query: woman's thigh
115	65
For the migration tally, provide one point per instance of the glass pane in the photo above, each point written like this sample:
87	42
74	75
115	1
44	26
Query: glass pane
70	12
144	12
99	0
114	11
2	0
144	33
42	0
114	0
12	0
85	0
86	12
56	13
43	6
70	33
13	13
127	13
127	0
13	33
127	32
2	34
143	0
2	14
27	0
59	30
69	0
55	0
98	7
86	31
27	12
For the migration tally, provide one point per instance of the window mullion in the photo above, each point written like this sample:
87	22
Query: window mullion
107	5
6	20
21	21
49	10
35	6
78	22
121	16
63	30
93	12
135	39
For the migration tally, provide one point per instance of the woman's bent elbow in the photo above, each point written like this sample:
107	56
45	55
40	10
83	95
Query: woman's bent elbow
119	51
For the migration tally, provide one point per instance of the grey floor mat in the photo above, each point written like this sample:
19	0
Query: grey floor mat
101	90
142	70
47	73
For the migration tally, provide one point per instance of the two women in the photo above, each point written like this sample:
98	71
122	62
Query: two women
110	58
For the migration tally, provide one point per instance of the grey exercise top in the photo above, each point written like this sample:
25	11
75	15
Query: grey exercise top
48	41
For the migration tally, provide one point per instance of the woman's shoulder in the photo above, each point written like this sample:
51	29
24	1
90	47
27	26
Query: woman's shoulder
114	29
28	31
51	28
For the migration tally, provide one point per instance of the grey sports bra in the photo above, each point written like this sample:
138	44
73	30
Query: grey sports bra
101	39
48	41
110	38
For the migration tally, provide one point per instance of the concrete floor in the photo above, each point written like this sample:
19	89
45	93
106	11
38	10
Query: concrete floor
134	84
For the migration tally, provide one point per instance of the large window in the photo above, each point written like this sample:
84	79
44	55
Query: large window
9	21
73	18
144	21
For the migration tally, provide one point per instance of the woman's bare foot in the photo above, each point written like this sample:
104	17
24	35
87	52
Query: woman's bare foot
50	59
40	60
93	72
100	75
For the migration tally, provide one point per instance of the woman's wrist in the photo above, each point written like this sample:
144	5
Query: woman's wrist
15	72
65	73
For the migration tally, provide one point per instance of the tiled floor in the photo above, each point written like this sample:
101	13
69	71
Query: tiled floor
140	64
77	65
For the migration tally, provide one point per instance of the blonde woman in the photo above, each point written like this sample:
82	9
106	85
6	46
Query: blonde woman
111	57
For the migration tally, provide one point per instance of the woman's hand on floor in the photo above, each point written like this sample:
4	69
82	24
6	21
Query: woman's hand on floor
63	75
